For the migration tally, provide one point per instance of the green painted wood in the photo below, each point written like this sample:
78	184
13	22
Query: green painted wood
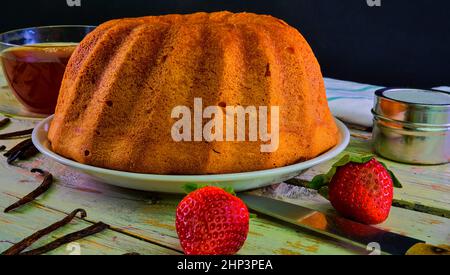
23	222
150	216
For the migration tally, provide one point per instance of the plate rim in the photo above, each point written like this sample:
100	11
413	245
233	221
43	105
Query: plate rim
331	153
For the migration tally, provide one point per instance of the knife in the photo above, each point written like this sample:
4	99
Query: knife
339	228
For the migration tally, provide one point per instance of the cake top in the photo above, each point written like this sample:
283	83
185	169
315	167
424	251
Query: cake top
222	17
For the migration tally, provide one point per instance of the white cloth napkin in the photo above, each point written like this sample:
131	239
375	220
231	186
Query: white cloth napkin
352	102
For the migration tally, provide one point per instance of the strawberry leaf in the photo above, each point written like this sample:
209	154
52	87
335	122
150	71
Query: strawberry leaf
322	180
342	161
252	215
191	187
394	178
317	182
358	158
229	190
323	191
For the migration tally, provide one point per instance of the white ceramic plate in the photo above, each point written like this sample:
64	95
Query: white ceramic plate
174	183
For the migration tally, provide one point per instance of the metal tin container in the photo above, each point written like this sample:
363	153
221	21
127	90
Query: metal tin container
412	125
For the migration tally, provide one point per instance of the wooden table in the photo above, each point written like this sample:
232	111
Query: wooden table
143	222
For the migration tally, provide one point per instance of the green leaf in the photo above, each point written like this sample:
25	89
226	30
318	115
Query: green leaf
323	191
359	158
191	187
317	182
342	161
394	178
322	180
252	215
230	190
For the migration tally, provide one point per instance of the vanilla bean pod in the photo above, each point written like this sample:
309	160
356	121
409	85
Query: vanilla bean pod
22	151
20	246
29	152
91	230
45	185
4	121
2	148
16	134
20	146
13	157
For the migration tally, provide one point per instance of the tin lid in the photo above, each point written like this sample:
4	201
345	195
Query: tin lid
427	107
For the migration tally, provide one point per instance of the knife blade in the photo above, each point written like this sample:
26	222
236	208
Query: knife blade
334	226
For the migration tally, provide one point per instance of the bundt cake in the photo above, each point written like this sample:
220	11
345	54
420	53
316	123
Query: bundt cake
122	83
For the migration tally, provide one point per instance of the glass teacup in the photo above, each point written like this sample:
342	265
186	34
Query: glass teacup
34	61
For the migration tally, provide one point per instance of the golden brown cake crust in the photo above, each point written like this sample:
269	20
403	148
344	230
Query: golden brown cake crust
121	83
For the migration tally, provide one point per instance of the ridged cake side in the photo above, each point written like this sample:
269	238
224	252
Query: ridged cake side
115	103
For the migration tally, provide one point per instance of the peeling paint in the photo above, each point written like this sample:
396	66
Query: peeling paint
310	248
285	251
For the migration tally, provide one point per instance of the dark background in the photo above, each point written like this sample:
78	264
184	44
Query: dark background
401	43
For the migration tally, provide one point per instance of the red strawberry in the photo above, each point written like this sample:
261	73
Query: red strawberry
360	188
362	192
210	221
